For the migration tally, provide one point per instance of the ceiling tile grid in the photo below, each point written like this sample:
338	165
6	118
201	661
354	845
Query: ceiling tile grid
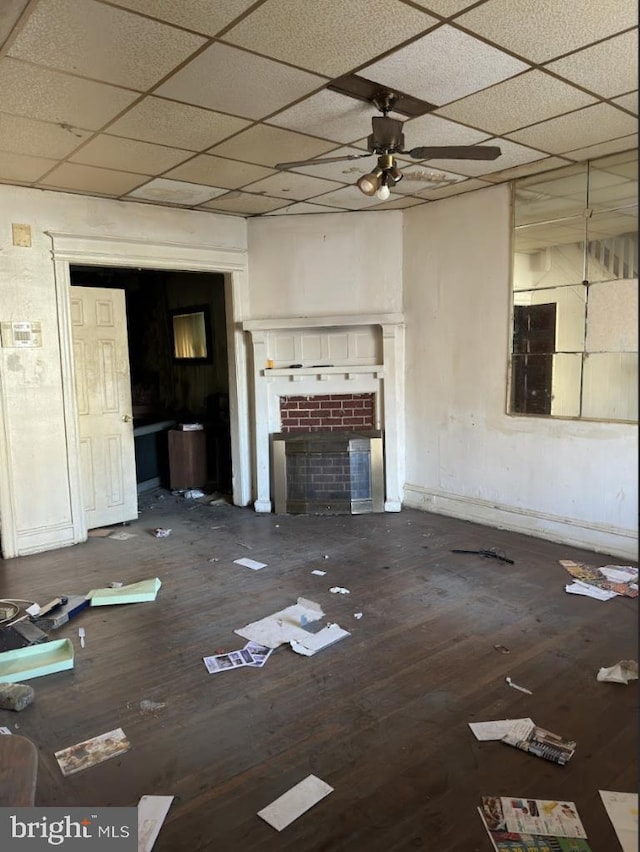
194	103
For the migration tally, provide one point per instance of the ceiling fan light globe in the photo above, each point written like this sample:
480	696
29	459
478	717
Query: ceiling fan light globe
395	174
383	192
368	184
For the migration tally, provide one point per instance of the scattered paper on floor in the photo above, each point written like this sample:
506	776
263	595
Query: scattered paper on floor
250	563
622	672
314	642
91	752
597	577
296	801
495	730
152	811
622	809
580	588
253	654
283	626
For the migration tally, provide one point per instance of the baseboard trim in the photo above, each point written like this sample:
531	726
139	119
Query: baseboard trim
600	538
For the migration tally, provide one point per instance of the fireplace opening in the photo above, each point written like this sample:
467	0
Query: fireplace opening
333	473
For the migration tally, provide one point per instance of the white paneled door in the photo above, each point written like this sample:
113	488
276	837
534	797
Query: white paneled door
103	393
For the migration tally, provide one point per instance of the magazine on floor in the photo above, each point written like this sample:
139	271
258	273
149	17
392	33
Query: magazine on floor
532	816
511	841
529	737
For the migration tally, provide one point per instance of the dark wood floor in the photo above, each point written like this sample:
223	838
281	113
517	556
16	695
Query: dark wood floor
381	716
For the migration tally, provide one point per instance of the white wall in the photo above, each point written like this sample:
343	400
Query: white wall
565	480
35	489
332	263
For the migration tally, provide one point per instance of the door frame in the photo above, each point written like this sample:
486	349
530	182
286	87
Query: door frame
84	250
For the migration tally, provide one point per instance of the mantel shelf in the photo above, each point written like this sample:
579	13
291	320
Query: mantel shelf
334	321
377	370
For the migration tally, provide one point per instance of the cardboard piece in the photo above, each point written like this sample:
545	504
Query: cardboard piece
314	642
283	626
36	661
145	590
91	752
292	804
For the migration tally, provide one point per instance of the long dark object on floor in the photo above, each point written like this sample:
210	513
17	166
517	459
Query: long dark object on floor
488	553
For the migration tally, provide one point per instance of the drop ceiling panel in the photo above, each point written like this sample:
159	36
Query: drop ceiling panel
179	125
624	143
234	81
268	145
395	203
101	42
456	189
73	176
37	92
541	30
527	169
247	84
629	101
434	130
446	8
176	192
419	178
245	204
424	68
331	37
9	15
218	171
590	125
112	152
348	198
202	16
328	115
594	68
292	186
518	102
38	138
23	168
303	207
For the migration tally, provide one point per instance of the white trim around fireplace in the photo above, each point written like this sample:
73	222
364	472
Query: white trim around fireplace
385	378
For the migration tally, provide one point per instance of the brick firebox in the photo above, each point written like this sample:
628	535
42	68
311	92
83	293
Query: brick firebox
336	412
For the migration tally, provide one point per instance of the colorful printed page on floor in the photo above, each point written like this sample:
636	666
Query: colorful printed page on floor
549	818
509	841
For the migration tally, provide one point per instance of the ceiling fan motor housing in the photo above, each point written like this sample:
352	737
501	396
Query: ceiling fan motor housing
387	136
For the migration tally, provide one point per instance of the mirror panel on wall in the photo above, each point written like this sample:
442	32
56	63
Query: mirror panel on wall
575	292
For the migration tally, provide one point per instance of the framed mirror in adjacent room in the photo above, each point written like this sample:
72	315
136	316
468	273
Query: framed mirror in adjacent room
191	335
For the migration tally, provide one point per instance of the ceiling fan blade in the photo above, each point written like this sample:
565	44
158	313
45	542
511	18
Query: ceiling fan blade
455	152
294	165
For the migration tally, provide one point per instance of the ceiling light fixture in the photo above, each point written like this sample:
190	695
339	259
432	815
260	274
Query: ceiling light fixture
380	179
370	183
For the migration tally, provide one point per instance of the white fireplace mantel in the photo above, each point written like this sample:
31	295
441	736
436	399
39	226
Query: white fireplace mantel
385	378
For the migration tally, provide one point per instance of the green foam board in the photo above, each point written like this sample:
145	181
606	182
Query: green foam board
36	661
145	590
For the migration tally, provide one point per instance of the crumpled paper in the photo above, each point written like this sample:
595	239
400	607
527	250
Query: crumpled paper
622	672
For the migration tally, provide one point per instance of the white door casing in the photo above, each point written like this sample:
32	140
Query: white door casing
146	254
103	396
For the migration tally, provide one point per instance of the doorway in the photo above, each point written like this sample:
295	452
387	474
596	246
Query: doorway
167	389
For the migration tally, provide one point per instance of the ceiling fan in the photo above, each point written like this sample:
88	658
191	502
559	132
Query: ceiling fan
387	140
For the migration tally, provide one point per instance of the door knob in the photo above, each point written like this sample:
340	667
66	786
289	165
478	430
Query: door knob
127	418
